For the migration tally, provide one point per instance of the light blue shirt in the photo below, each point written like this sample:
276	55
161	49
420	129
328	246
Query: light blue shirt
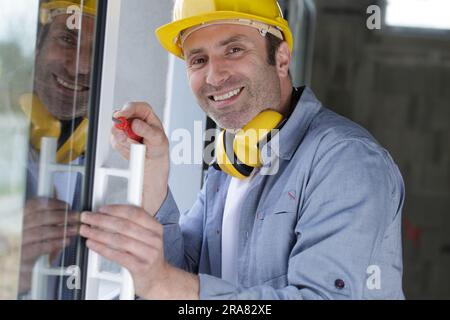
326	226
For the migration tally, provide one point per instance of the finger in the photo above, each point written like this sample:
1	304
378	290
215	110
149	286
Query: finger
131	141
119	242
31	252
39	204
42	234
122	226
119	136
52	234
131	213
153	135
122	144
123	148
50	218
139	110
122	258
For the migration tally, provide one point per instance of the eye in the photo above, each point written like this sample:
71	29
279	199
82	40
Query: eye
67	40
197	62
235	50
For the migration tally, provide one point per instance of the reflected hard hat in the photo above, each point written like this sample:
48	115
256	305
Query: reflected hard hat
53	8
190	15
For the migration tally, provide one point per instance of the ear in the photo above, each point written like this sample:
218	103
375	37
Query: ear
284	57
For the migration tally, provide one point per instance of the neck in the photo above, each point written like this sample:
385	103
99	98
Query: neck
286	96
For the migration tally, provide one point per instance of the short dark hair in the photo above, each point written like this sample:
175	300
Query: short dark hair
273	43
42	35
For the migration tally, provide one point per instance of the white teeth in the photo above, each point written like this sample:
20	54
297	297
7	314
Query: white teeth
227	95
67	85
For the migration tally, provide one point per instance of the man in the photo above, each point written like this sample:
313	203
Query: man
57	108
325	226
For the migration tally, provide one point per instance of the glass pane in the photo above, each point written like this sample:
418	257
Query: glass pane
46	73
17	38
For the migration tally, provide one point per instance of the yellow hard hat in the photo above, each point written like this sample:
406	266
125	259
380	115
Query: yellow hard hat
266	15
88	7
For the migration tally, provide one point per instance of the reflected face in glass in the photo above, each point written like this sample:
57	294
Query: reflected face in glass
63	67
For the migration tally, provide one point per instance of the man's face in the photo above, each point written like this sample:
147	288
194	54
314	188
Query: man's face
63	67
229	73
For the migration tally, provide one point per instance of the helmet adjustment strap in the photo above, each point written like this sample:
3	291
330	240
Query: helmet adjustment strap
263	28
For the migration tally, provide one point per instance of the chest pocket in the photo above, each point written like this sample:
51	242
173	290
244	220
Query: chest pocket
286	202
275	237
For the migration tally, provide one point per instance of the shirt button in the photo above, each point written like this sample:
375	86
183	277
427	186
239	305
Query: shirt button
218	231
339	284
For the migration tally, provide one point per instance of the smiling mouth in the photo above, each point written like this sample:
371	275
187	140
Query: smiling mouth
70	86
226	96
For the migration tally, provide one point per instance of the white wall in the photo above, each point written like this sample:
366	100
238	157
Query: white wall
182	111
142	63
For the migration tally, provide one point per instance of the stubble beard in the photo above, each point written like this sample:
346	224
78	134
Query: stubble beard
262	95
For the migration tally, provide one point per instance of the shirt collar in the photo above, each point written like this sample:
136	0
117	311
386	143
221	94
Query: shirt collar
295	129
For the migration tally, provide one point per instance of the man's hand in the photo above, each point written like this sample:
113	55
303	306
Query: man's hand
47	229
132	238
156	175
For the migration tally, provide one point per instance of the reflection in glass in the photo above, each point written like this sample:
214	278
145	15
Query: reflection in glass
55	107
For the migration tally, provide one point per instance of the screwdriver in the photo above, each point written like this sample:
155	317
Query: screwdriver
125	125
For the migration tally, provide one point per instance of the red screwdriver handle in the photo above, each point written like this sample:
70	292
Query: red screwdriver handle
125	125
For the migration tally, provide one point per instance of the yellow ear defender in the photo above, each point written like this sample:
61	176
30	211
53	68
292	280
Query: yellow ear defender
238	154
43	124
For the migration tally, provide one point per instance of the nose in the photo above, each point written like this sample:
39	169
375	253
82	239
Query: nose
84	61
79	62
218	72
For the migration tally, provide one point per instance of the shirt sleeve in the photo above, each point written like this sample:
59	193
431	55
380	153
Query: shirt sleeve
182	245
349	231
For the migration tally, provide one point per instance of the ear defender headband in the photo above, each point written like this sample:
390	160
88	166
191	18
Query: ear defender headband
43	124
239	154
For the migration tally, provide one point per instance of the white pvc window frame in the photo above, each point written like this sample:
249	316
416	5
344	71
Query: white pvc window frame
101	285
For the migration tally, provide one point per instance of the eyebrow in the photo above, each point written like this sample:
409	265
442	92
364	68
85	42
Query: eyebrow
74	33
235	38
238	37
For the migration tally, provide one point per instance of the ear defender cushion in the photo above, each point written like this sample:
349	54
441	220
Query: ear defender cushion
239	154
75	145
226	159
247	141
43	124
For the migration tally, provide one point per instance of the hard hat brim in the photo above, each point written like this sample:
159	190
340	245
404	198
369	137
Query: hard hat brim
168	34
65	4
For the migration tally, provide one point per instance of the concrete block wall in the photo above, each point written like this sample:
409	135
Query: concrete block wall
397	86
